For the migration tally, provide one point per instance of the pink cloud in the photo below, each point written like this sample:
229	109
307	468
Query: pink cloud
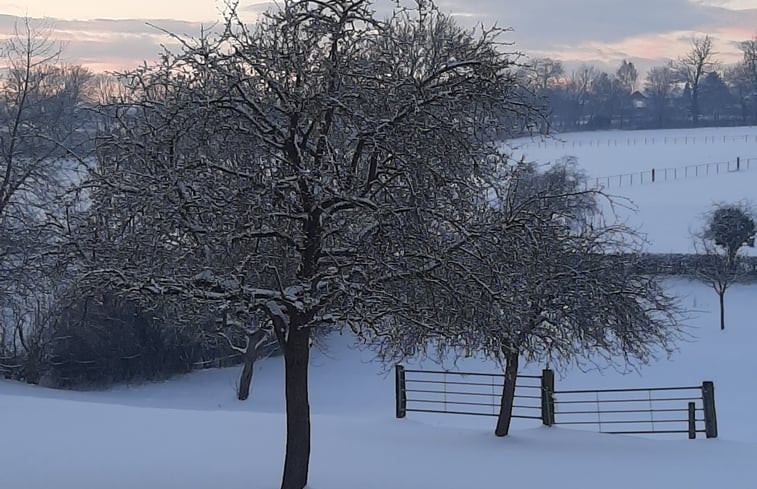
655	48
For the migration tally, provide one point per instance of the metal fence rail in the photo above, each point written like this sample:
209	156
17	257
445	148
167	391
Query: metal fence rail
655	410
650	410
657	175
446	392
638	140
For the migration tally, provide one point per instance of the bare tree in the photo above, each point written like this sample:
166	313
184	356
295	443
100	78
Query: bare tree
39	114
741	86
579	89
693	67
606	100
575	289
302	171
744	76
749	60
659	86
727	230
546	72
547	280
626	77
251	340
108	89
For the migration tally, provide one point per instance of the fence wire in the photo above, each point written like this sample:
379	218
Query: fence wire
661	175
629	141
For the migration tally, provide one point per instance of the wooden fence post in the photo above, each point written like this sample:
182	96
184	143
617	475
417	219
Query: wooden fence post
547	397
692	421
400	394
710	418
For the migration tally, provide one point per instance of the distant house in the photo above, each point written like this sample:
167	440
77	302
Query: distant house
638	100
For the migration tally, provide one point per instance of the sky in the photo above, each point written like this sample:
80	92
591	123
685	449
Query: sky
117	35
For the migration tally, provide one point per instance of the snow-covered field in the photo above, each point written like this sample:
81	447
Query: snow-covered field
666	211
191	433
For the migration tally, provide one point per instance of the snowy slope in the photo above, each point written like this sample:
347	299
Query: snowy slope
190	433
668	211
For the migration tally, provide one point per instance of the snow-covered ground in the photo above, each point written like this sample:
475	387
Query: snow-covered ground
668	211
191	433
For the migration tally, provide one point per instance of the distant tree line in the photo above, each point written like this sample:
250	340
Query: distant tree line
691	91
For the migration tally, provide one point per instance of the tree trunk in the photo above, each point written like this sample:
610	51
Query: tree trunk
296	358
721	296
254	341
245	380
508	393
695	107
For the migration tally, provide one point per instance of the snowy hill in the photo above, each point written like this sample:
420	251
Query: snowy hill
667	210
191	433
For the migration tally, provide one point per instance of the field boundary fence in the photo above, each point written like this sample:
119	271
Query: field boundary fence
612	142
651	410
470	393
664	410
656	175
9	365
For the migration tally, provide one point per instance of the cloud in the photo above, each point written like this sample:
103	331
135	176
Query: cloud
604	31
106	44
654	48
545	22
202	10
730	4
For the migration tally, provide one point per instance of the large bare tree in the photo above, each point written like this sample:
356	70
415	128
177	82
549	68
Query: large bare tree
302	172
693	67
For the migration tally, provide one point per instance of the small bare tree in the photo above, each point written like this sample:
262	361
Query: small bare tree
546	72
728	229
256	340
576	291
547	280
